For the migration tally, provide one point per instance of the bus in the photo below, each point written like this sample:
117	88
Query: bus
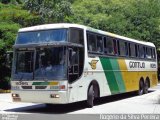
65	63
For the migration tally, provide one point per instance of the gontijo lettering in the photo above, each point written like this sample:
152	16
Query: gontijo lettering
133	64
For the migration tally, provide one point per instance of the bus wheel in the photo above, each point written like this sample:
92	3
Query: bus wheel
141	88
90	97
146	86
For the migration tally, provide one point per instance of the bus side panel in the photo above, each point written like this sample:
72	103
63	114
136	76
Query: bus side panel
132	74
122	77
113	76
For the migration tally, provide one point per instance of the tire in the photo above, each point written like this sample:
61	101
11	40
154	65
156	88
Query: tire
49	105
90	97
141	88
146	86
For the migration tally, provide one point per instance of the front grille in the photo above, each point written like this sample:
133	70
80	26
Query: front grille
40	87
27	87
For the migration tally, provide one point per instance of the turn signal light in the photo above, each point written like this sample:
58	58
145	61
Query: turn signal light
62	87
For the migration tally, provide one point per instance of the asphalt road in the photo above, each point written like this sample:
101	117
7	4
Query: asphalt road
129	103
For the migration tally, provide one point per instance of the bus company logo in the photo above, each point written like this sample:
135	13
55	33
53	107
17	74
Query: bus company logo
21	83
93	64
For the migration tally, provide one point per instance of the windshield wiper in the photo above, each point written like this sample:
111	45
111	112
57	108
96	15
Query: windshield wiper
43	71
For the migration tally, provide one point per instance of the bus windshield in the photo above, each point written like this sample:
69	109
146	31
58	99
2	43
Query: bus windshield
42	64
45	36
24	65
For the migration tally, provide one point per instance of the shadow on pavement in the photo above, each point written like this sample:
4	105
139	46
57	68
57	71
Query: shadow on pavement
67	108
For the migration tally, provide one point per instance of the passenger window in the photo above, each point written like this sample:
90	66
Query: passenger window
148	53
153	54
91	43
122	46
137	49
99	44
141	51
108	46
115	47
126	49
132	49
76	35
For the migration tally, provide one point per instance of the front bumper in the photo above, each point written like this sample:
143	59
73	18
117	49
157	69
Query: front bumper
40	97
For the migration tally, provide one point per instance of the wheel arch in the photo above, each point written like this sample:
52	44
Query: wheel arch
95	86
141	79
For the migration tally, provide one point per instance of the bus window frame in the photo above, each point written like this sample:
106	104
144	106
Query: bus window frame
117	40
153	53
88	43
150	49
69	35
143	47
119	52
130	50
108	38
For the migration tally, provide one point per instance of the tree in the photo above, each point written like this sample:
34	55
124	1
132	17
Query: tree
50	11
138	19
11	19
11	1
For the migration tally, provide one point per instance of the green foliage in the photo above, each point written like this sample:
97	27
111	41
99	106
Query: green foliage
11	1
8	33
14	14
137	19
12	17
50	11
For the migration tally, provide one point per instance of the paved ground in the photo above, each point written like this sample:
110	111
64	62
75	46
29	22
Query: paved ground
124	103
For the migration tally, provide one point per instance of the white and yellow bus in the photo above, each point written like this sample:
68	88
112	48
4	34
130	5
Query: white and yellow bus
66	63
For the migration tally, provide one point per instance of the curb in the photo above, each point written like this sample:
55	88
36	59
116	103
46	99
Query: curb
5	91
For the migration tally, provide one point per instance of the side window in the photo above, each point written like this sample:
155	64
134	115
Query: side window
153	53
141	51
115	47
148	53
132	49
95	43
122	48
99	44
76	36
91	42
108	46
126	49
136	50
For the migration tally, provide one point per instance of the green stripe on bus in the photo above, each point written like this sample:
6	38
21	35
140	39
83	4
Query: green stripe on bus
107	67
40	83
118	75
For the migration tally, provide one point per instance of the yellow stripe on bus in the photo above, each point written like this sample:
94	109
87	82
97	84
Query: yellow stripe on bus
125	74
53	83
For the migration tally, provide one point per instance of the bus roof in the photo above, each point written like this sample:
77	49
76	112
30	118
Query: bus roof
68	25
